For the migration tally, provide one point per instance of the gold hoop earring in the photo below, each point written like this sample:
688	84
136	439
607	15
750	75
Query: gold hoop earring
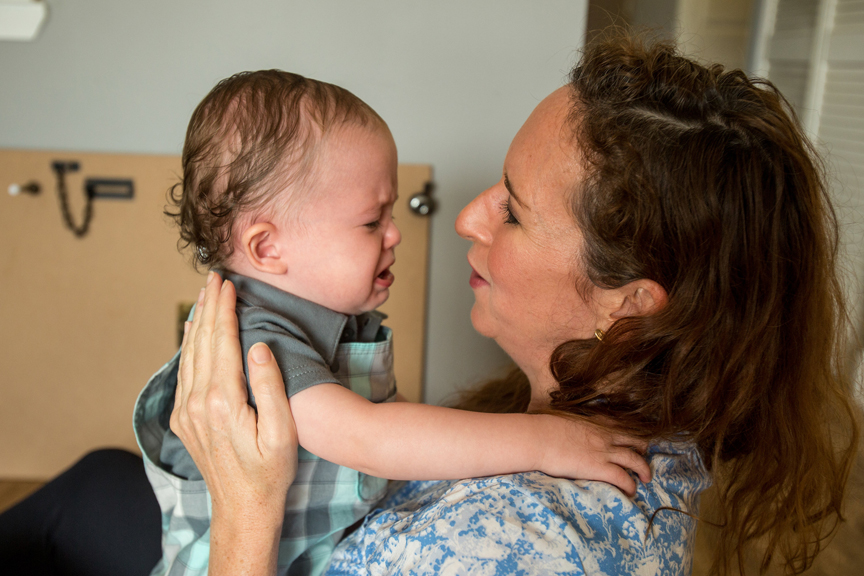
599	334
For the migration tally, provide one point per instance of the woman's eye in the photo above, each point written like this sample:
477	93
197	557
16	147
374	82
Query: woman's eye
509	218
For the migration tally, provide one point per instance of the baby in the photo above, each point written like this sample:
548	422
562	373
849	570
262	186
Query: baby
288	189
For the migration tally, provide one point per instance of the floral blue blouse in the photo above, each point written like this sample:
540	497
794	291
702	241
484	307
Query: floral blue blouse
531	524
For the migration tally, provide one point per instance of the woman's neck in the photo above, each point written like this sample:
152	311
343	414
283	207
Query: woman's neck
542	384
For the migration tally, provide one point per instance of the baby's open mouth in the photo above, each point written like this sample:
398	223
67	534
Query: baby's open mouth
385	278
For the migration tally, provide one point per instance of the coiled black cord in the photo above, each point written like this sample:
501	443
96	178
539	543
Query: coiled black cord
60	169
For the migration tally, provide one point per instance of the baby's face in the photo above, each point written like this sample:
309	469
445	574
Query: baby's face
342	244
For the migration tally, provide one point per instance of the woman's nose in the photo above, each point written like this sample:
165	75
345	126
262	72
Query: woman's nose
472	223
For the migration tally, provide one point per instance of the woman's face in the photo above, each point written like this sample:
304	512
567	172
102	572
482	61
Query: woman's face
526	246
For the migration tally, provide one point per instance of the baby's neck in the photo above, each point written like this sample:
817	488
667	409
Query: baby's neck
242	267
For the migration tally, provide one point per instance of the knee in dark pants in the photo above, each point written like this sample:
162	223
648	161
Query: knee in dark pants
98	517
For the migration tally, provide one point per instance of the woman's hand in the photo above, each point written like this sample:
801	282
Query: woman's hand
248	461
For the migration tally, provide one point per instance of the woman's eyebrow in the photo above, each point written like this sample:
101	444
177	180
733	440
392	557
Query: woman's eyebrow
509	187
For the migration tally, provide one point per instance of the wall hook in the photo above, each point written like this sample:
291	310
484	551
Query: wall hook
33	188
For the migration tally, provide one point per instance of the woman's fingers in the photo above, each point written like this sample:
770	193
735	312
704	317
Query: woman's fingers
227	355
277	436
178	391
202	329
184	371
184	347
187	352
225	319
194	371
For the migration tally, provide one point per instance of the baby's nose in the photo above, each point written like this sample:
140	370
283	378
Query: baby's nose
393	236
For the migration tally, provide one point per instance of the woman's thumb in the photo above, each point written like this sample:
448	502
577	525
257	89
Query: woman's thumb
275	423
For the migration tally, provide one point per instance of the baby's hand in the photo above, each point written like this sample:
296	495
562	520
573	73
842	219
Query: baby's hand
584	451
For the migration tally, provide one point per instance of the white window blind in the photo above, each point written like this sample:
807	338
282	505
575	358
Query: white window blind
813	50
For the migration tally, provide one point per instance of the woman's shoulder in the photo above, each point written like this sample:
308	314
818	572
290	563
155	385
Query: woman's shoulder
535	523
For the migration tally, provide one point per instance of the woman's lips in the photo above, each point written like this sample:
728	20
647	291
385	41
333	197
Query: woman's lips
385	279
476	280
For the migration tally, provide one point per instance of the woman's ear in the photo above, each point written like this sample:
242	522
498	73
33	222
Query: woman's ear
262	250
638	298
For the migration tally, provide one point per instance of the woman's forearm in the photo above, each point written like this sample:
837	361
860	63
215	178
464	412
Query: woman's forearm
244	546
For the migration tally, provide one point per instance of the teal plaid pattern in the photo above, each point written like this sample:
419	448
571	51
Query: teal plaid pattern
323	501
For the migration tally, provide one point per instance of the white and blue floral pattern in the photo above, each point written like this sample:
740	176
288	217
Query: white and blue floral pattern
534	524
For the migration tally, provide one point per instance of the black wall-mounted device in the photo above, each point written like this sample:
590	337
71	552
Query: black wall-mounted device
120	189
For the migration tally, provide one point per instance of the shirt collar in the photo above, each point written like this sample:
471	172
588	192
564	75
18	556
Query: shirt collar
325	328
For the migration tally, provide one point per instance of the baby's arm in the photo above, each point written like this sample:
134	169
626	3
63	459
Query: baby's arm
405	441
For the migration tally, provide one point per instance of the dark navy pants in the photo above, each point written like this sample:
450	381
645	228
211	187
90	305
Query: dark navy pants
98	518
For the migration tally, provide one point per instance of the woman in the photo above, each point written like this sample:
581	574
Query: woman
659	256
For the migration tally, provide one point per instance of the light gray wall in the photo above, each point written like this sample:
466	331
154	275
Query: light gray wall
454	79
658	15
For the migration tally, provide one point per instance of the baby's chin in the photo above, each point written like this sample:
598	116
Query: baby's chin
374	301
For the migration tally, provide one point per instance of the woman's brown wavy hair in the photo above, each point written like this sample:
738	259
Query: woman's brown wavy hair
702	180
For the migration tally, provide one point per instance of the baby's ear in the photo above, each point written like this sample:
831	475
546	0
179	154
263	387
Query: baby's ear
262	249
